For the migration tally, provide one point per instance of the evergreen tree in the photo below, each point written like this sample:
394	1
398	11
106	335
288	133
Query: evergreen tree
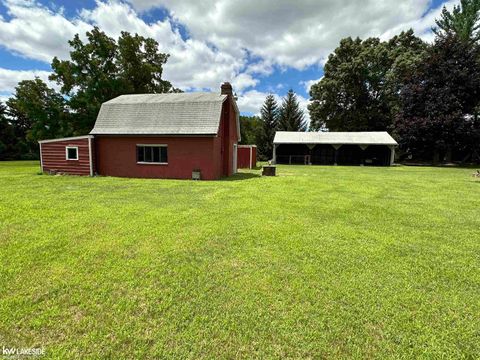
269	116
462	21
291	117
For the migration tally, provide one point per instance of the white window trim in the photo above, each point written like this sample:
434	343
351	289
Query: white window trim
151	163
147	162
66	152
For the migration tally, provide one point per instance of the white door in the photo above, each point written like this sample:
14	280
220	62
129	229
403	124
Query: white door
234	169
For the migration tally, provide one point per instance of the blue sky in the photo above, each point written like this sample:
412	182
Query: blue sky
261	46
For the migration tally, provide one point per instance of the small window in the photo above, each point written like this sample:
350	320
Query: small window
152	154
72	152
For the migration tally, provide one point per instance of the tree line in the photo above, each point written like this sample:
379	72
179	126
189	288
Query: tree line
426	95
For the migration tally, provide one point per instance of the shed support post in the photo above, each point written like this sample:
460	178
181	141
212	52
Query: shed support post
392	154
274	159
336	147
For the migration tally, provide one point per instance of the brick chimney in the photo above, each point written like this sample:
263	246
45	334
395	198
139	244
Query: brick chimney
226	89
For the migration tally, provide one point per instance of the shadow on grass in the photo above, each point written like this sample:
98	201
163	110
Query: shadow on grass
241	176
452	166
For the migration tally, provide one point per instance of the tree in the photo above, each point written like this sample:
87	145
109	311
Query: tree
8	141
462	22
438	103
36	112
359	90
250	129
290	116
269	117
103	68
141	65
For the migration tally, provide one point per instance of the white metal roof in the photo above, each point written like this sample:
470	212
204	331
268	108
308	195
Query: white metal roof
353	138
161	114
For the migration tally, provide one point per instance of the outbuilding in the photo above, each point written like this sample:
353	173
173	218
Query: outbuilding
247	156
175	135
334	148
72	155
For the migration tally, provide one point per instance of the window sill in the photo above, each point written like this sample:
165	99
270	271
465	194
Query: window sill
72	159
150	163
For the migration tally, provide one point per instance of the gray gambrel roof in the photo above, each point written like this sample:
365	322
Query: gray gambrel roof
344	138
161	114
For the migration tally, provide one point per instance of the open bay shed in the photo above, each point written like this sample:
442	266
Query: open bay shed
334	148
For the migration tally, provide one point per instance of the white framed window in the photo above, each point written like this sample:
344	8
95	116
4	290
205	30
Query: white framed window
152	154
71	153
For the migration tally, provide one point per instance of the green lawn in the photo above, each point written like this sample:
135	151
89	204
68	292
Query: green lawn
319	262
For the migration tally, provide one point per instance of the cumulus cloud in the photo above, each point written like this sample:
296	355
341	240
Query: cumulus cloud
37	32
10	78
295	34
228	40
308	83
251	101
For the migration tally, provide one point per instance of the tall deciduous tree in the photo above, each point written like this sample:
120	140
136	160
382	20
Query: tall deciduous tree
269	116
290	116
102	68
438	103
140	65
36	112
359	90
462	22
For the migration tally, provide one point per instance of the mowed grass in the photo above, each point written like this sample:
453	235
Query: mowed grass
319	262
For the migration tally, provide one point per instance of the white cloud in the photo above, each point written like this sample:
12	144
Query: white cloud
296	34
252	101
422	26
10	78
308	84
224	35
4	98
37	32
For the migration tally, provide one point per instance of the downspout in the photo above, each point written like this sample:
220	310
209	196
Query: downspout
41	159
250	164
90	155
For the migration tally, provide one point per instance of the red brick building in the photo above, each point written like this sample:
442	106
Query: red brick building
154	136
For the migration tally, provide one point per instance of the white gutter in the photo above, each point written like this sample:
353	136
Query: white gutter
90	154
250	163
41	159
66	139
